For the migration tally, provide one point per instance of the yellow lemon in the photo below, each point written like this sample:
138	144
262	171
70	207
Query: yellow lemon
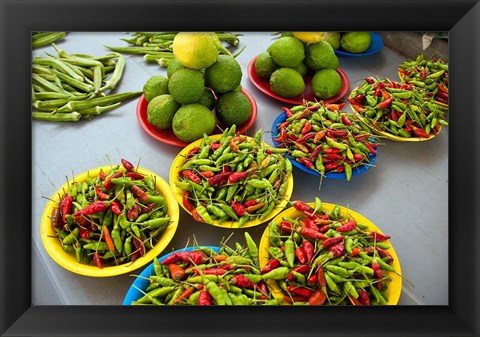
311	37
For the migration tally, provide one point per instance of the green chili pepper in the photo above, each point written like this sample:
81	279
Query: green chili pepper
290	252
330	283
72	237
279	273
252	246
96	246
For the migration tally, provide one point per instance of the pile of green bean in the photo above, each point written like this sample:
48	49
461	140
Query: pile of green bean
70	87
325	257
400	109
41	39
112	218
205	276
430	74
233	178
156	47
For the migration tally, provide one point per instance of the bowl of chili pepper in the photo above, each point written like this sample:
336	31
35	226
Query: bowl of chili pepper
231	180
397	111
109	220
168	137
322	140
430	74
263	85
325	254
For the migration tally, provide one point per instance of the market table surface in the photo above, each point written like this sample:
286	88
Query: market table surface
405	194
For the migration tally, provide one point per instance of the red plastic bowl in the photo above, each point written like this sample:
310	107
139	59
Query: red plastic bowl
168	137
264	86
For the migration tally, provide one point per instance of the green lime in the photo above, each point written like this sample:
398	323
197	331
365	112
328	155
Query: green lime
334	39
233	108
186	85
287	82
191	121
173	66
326	83
224	75
321	55
287	51
207	99
264	65
155	86
356	42
160	111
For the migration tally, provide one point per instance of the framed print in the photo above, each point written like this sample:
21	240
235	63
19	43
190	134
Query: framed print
39	296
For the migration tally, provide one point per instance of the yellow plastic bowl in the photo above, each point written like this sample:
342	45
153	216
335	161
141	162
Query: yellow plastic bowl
394	287
178	193
68	260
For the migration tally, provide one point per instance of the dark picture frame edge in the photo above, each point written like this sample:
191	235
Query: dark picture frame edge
17	315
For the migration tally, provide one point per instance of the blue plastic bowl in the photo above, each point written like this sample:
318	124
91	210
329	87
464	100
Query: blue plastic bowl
331	175
375	46
141	282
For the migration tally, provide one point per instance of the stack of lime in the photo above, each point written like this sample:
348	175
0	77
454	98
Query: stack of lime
203	75
289	58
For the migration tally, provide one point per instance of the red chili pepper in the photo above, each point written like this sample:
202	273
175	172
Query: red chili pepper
107	184
386	103
419	132
288	112
127	165
98	260
329	166
204	298
300	254
337	133
315	153
102	175
66	205
185	295
337	249
237	207
172	258
139	193
284	124
334	156
309	223
324	228
186	201
291	136
242	281
359	98
379	237
100	194
287	226
192	176
237	176
302	206
331	150
335	107
270	265
219	179
354	102
370	148
307	126
95	207
354	301
249	203
423	73
363	296
442	88
282	136
84	233
393	115
215	146
196	216
195	257
292	299
134	175
317	298
340	168
311	233
384	254
347	226
378	274
346	120
176	272
361	137
355	251
309	250
313	279
331	241
300	291
132	213
378	89
357	157
193	151
116	207
306	137
308	163
210	271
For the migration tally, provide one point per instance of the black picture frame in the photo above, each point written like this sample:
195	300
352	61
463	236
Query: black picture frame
19	18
